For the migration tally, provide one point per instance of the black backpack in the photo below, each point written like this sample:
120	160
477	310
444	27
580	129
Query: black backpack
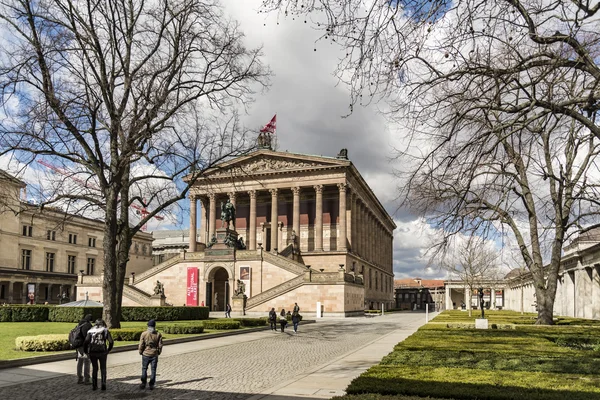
76	338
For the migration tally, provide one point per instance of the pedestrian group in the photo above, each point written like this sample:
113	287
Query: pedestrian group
283	318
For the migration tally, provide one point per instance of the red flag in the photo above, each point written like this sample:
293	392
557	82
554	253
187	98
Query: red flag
271	126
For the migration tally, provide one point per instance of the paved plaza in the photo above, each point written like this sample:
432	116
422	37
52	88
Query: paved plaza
316	363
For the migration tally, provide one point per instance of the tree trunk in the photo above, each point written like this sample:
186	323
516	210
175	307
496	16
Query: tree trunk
110	283
545	306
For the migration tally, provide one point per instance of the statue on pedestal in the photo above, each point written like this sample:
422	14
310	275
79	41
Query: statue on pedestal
228	213
241	288
159	289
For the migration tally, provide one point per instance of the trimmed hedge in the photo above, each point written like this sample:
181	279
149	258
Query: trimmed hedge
43	313
248	322
163	313
126	334
221	324
43	343
182	329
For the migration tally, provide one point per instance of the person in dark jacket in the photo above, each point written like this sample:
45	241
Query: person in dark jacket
273	319
98	343
282	320
150	348
295	321
83	361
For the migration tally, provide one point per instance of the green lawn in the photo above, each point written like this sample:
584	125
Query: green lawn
9	331
444	359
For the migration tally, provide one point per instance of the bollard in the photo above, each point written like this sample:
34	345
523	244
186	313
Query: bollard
319	309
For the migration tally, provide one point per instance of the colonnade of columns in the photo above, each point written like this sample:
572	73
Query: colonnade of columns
358	225
10	297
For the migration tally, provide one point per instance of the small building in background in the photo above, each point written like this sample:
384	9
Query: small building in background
415	293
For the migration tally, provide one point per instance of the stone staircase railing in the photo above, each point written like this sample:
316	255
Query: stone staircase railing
285	263
137	295
275	291
287	251
158	268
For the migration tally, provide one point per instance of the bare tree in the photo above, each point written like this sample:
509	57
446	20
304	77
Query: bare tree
473	261
500	101
124	98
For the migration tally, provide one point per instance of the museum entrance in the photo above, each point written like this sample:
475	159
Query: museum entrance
217	289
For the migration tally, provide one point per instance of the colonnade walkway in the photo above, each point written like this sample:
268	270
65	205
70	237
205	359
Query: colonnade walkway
318	362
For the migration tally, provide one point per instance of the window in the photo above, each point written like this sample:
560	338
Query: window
27	230
144	249
91	242
135	248
370	279
376	276
50	234
91	262
26	259
50	262
72	238
71	265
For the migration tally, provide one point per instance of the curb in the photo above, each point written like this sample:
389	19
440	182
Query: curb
67	355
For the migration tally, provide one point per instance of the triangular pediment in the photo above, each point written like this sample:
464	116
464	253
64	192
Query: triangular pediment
266	161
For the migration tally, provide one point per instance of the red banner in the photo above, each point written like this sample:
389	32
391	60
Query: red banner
192	286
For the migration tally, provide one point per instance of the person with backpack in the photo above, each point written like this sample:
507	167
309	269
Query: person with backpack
76	339
98	343
296	309
150	348
273	319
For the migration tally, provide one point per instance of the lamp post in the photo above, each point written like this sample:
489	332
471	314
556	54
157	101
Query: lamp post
261	266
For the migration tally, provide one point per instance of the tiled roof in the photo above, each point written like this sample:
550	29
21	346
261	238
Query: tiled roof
414	283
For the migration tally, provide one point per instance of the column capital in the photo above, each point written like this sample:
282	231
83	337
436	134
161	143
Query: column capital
193	197
232	195
273	191
212	196
295	190
342	187
252	193
318	188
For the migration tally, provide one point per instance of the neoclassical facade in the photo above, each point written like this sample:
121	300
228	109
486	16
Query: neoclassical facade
314	233
45	250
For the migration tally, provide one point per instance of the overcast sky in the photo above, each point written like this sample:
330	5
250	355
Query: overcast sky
310	107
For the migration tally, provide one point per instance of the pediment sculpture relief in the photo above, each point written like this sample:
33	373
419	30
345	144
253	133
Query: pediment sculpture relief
266	165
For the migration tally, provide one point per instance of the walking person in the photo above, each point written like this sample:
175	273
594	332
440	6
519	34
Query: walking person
150	348
296	309
98	343
273	319
228	311
282	320
295	321
83	361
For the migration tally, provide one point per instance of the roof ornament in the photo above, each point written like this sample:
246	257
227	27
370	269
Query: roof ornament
343	154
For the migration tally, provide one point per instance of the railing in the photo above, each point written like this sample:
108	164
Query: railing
324	277
275	291
287	251
285	263
91	280
136	295
156	269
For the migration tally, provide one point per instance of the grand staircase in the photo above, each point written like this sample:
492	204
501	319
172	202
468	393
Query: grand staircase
276	291
137	295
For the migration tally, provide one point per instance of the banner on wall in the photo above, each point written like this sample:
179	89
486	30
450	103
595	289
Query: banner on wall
31	292
245	277
192	286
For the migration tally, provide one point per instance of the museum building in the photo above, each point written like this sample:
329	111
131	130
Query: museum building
307	229
45	251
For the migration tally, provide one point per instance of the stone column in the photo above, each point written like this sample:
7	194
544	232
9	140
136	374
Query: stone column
360	229
274	227
212	222
492	298
351	221
24	299
10	291
448	304
49	298
341	243
37	293
193	219
204	221
319	218
296	214
252	224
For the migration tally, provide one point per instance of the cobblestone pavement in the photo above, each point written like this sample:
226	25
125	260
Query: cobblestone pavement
229	372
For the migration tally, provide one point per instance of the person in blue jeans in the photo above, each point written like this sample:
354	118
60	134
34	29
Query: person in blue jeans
295	321
150	348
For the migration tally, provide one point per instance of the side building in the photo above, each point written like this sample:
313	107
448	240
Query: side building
45	252
307	230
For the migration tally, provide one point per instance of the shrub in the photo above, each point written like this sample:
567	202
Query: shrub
126	334
43	343
247	322
73	314
182	329
221	324
163	313
29	313
288	317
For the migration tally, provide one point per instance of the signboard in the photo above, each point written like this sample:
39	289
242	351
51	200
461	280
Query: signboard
245	277
31	292
192	286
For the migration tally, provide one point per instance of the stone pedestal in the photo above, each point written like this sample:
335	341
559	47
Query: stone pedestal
158	300
481	323
238	304
225	245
